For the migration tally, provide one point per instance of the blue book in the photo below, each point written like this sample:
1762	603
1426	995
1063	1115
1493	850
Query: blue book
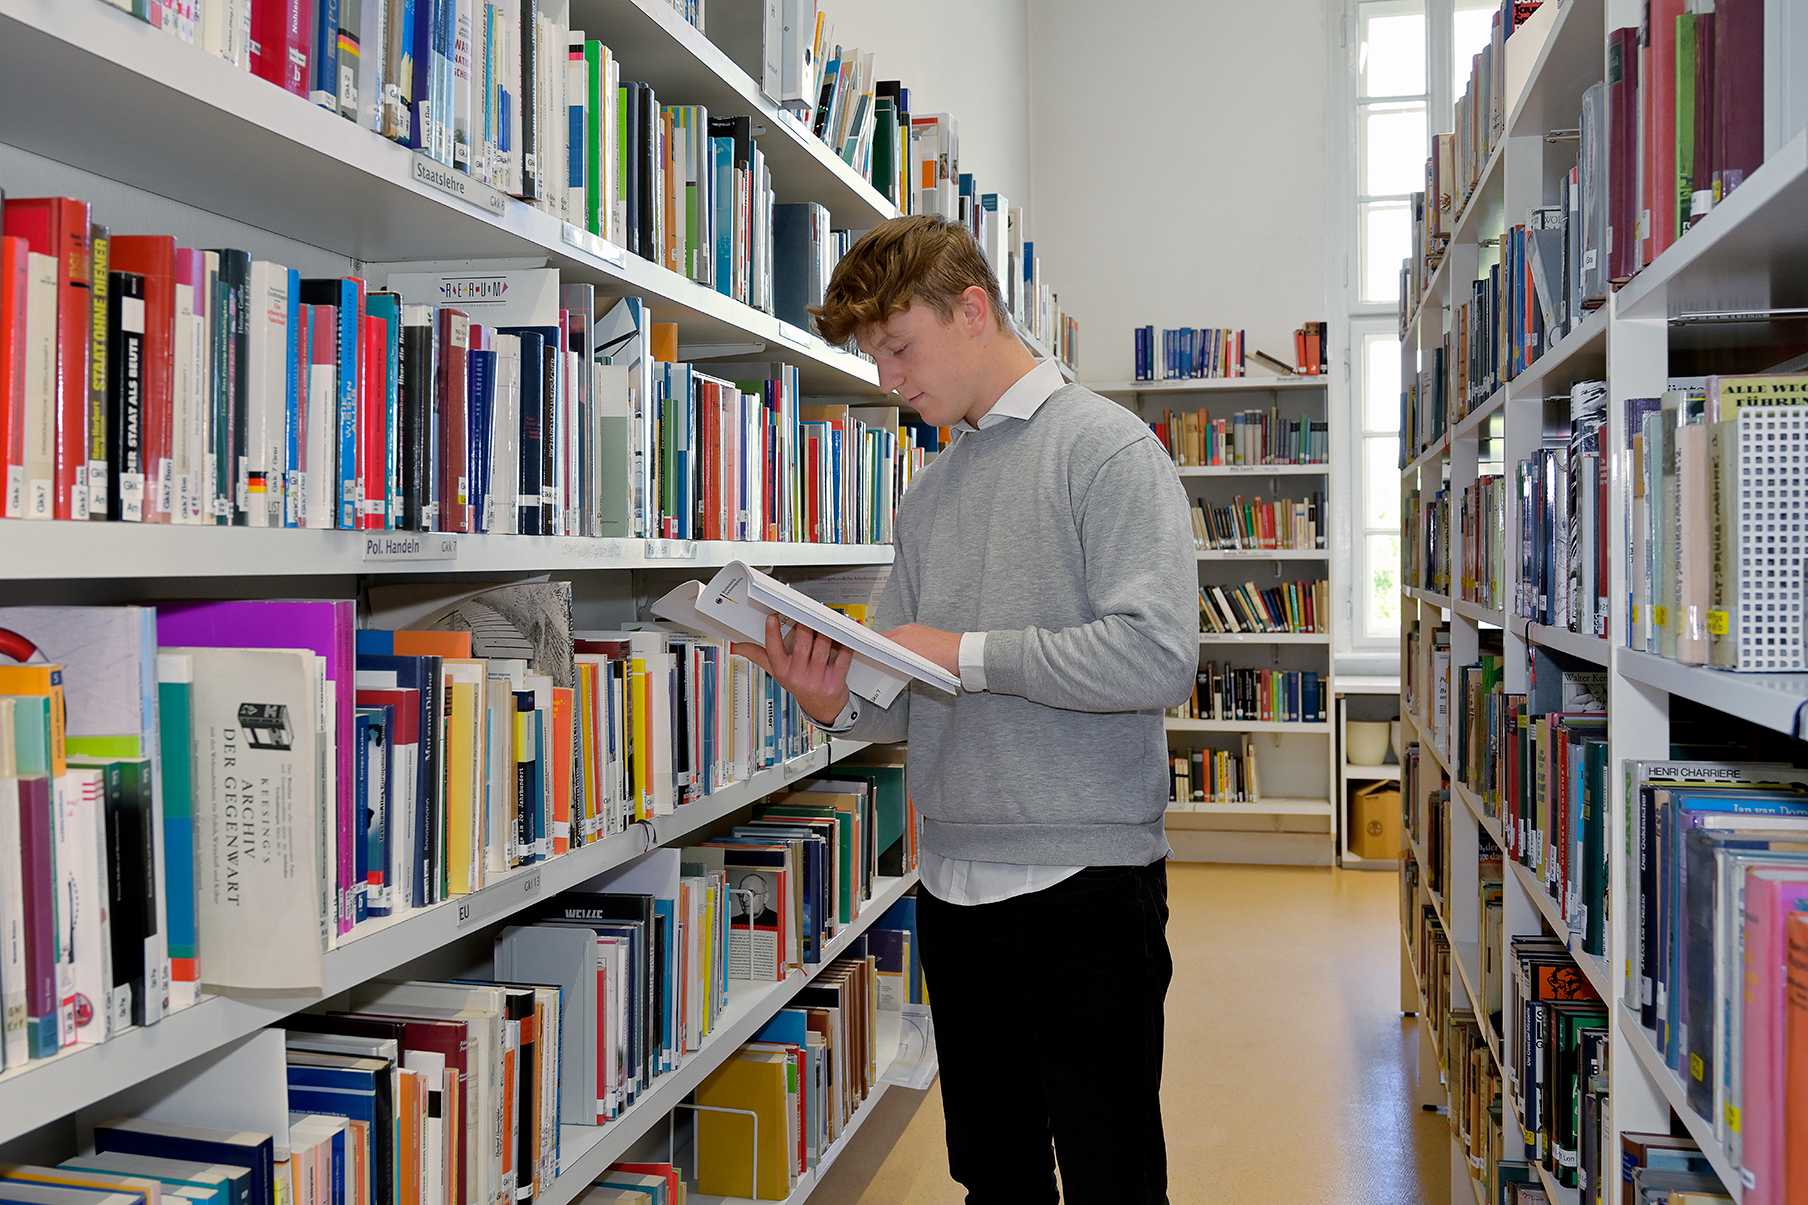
903	916
195	1144
361	794
665	913
788	1027
347	296
421	674
295	366
481	393
323	88
721	159
534	427
378	802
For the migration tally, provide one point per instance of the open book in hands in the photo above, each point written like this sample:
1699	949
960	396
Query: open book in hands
734	604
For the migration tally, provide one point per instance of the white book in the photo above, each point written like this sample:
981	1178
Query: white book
213	28
13	1044
564	956
499	773
39	481
505	437
82	869
212	505
266	398
734	606
257	807
577	125
464	88
185	364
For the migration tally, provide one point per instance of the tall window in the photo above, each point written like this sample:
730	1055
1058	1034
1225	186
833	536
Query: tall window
1408	60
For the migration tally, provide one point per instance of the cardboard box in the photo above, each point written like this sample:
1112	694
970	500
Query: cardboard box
1374	821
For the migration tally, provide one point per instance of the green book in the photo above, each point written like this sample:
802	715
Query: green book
1685	119
175	717
593	141
885	149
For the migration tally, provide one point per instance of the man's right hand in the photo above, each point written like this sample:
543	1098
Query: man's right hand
812	667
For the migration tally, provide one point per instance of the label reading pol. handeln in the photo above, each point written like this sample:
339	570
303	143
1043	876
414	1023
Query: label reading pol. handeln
410	546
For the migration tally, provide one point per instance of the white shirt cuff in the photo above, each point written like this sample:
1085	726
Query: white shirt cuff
973	661
850	711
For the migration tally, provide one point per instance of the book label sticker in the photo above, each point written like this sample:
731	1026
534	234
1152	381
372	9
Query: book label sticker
671	550
457	184
592	244
410	546
796	336
500	900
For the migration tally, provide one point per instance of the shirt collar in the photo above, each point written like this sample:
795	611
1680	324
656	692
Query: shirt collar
1023	398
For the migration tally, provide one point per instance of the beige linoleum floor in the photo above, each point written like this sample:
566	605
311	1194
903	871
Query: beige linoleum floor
1287	1080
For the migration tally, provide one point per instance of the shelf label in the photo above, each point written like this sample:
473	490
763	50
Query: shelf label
388	546
592	244
796	336
455	183
671	550
503	898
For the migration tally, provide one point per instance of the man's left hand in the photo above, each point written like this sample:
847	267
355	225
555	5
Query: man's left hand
935	645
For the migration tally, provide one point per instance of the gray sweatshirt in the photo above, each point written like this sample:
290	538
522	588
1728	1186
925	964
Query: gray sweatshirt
1066	539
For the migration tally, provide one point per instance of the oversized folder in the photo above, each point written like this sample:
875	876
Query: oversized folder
734	604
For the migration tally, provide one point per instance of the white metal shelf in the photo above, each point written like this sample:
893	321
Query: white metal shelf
75	550
1264	638
1180	815
1263	554
1433	454
1749	252
1254	470
1315	727
1212	385
656	45
1476	418
1562	640
1773	701
254	153
1472	801
585	1152
55	1087
1479	613
1484	198
1427	596
1569	61
1673	1092
1357	773
1579	355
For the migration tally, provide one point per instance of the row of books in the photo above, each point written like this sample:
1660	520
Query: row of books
1425	552
1190	353
1563	510
1230	692
1424	403
1247	437
407	764
1474	1081
1715	580
1208	776
1481	538
1003	237
1260	524
1722	868
1558	1073
1287	607
492	403
1538	762
1426	687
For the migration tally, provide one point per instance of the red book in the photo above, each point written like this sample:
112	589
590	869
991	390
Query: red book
1794	1055
454	423
373	398
1702	184
1622	159
1738	92
12	377
281	41
58	227
1664	16
153	256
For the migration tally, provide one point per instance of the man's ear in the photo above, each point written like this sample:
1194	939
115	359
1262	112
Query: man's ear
975	309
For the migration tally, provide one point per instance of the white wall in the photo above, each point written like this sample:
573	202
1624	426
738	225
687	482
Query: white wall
965	57
1180	167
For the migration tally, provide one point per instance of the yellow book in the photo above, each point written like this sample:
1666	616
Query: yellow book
42	681
526	750
584	821
757	1082
463	715
641	712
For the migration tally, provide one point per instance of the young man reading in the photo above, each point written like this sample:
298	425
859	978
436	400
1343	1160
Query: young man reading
1046	557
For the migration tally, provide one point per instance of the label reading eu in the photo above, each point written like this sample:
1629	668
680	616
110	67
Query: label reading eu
455	183
796	336
505	897
410	546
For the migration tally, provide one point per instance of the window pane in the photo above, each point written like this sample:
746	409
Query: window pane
1381	592
1381	483
1471	26
1380	381
1391	60
1393	149
1385	234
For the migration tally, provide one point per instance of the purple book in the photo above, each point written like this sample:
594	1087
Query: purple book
324	626
37	841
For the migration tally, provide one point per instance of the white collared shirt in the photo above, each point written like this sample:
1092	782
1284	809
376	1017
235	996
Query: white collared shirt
960	880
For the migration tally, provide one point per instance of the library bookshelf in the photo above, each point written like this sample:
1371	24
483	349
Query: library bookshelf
1293	821
159	135
1713	301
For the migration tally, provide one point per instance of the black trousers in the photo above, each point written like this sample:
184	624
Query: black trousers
1048	1022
